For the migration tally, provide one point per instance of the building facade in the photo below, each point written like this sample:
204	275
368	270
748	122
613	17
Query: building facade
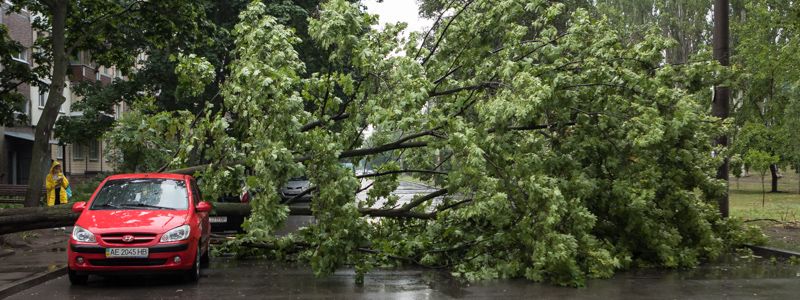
16	143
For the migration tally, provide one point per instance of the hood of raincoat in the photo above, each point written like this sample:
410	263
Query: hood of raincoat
53	166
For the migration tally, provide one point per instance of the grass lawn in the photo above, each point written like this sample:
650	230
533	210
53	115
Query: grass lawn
781	211
746	198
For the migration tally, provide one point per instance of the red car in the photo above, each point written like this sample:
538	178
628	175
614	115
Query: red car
140	223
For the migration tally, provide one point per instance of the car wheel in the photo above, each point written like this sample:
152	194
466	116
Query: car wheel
193	274
76	279
205	259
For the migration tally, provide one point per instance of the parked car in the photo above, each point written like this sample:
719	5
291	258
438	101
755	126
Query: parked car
230	223
297	185
140	223
294	187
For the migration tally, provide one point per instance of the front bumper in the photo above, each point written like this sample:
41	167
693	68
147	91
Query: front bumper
161	257
289	195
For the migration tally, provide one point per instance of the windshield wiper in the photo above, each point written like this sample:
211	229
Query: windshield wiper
147	205
107	205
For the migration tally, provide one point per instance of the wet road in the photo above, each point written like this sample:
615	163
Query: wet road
229	278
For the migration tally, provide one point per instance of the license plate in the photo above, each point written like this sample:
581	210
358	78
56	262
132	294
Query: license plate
127	252
222	219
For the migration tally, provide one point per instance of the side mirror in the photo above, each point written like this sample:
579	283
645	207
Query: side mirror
203	206
79	206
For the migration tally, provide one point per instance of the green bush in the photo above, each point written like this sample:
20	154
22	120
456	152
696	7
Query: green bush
83	191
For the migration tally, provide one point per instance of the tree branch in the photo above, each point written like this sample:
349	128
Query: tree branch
485	85
317	123
444	32
401	172
428	33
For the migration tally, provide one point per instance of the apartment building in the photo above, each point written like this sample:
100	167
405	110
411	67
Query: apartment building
16	143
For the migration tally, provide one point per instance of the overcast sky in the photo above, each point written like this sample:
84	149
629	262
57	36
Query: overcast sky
393	11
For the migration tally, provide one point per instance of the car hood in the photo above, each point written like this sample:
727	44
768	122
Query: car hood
296	184
146	221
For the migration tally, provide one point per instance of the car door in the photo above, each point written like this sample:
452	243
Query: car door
197	197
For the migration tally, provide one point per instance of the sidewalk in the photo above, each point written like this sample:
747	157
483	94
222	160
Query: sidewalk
31	256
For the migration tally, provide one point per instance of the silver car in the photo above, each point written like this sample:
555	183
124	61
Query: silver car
294	187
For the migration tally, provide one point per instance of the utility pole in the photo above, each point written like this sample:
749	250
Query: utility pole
722	94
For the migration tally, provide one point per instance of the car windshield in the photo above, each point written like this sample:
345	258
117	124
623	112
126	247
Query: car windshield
142	194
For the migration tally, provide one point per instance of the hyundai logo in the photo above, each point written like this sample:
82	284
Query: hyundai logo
127	238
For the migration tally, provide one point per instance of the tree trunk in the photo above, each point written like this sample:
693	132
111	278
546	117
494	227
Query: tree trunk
721	106
763	191
23	219
40	157
774	170
30	218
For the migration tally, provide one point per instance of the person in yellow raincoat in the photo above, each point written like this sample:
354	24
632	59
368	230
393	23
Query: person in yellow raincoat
56	185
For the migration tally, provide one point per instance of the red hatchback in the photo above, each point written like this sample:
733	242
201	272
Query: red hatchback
140	223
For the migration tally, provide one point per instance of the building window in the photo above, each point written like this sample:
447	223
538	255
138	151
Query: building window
42	98
94	150
21	56
77	152
59	152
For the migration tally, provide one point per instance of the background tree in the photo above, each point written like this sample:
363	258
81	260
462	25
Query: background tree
113	31
761	162
12	75
737	166
684	21
767	43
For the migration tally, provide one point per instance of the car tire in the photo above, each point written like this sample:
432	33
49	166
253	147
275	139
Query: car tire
205	259
75	278
193	274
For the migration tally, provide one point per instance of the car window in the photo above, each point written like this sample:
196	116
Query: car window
142	194
196	192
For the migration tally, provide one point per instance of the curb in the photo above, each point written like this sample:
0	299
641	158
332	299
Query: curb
33	280
772	252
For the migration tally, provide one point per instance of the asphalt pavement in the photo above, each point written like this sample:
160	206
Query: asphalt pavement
230	278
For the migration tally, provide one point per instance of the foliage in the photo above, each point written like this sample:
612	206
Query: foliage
572	154
207	36
766	112
163	76
153	146
12	74
83	191
686	22
760	161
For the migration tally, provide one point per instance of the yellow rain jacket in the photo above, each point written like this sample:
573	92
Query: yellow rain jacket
51	186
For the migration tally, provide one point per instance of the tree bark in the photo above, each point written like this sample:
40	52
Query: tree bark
41	155
721	105
23	219
773	168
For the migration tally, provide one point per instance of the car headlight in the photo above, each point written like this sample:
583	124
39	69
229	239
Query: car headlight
82	235
176	234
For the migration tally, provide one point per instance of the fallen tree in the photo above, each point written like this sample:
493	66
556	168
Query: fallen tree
563	152
30	218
